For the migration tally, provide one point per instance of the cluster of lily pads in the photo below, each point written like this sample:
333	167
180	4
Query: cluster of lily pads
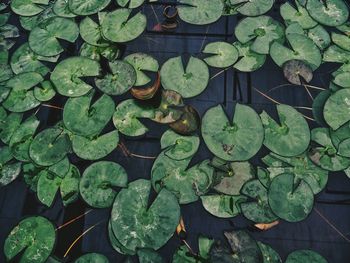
74	54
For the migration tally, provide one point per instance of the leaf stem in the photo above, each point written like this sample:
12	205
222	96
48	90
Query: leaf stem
127	153
73	220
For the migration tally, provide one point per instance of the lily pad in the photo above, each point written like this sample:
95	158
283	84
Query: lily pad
34	236
252	7
289	138
95	148
289	201
223	206
22	138
131	3
328	12
188	122
118	26
200	12
28	7
248	60
7	34
30	22
119	81
231	176
320	36
336	109
49	147
99	182
179	147
46	92
90	32
68	73
343	41
61	8
302	48
189	82
297	72
223	54
152	226
262	31
8	125
49	185
318	105
309	256
86	119
87	7
172	109
149	256
126	117
10	169
25	60
336	54
92	257
269	254
341	140
256	208
297	14
21	97
5	69
110	52
142	62
238	140
43	39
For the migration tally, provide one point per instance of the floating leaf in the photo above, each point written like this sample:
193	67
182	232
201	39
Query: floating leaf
34	236
99	182
262	31
188	122
91	33
223	54
171	109
252	7
152	226
289	201
87	7
110	52
10	170
248	60
297	72
28	7
46	92
130	3
189	82
200	12
92	257
291	136
297	14
269	254
301	256
61	8
223	206
238	140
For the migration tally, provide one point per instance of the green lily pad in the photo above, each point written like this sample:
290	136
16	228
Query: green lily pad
4	17
252	7
87	7
318	105
302	48
341	140
5	69
49	147
336	54
336	109
91	33
7	34
149	256
142	62
43	39
22	138
99	182
46	92
269	254
92	258
61	168
8	125
151	226
186	184
297	72
343	41
126	117
302	168
95	148
301	256
231	176
66	76
200	12
183	255
117	246
21	97
28	7
297	14
49	185
289	201
223	206
223	54
172	109
25	60
34	236
118	26
9	168
289	138
110	52
342	76
189	82
61	8
262	31
320	36
248	60
30	22
328	12
131	3
325	155
256	208
178	147
86	119
121	79
238	140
